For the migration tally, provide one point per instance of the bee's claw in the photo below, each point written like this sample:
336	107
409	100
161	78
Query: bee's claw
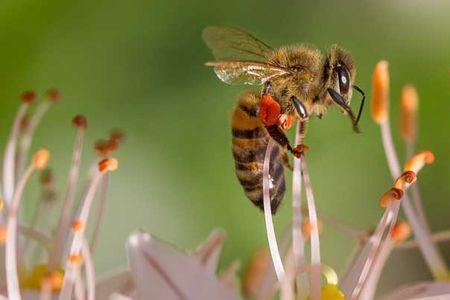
299	150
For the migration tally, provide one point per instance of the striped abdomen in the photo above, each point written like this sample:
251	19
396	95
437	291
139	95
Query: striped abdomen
249	143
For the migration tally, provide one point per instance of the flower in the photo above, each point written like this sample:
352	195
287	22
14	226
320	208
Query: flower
34	259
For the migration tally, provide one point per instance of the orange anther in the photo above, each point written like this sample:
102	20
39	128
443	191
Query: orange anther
28	97
108	164
117	135
40	159
419	160
392	194
79	121
77	225
409	104
269	110
408	177
75	259
308	228
400	232
380	92
3	234
53	94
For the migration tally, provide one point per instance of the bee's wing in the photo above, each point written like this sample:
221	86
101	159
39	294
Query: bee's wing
245	72
229	43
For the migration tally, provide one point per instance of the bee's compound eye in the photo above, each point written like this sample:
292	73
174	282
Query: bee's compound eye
344	79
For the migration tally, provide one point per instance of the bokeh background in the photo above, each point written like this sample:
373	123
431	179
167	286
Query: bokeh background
138	65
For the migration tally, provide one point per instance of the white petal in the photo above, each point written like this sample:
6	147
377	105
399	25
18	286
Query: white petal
209	252
428	290
118	282
162	272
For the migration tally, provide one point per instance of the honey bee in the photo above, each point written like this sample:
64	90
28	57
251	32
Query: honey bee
297	82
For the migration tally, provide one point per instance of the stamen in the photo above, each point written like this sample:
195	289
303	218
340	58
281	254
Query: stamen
316	292
80	123
76	242
10	150
408	118
254	273
298	246
100	212
90	272
380	92
273	245
29	129
429	250
12	280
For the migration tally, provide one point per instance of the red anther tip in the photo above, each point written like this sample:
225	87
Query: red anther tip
269	110
28	97
79	121
53	95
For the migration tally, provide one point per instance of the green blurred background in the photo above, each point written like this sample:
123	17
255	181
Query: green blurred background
138	65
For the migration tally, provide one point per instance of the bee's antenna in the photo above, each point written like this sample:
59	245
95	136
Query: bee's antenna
361	106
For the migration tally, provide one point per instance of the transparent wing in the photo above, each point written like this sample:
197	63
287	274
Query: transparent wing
229	43
245	72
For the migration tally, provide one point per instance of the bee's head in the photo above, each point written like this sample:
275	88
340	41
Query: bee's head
340	72
339	77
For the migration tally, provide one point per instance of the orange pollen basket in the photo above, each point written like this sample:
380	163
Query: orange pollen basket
269	110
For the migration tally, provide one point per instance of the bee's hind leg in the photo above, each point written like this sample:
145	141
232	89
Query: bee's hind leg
286	162
278	135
